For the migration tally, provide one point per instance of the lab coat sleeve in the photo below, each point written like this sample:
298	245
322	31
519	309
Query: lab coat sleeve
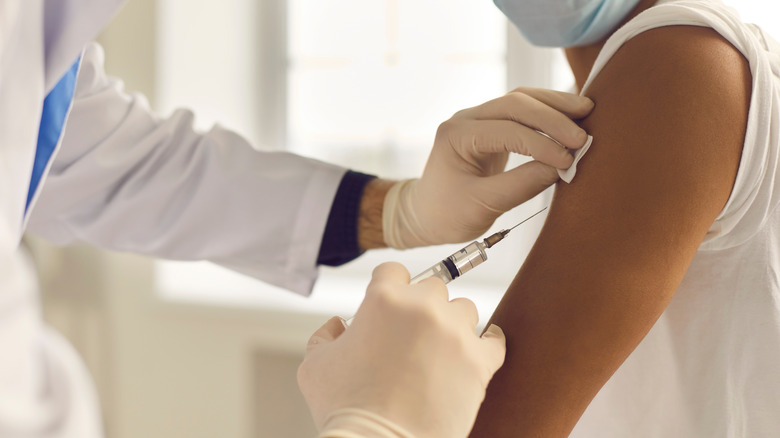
127	180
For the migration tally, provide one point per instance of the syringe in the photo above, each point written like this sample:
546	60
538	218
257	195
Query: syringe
467	258
463	261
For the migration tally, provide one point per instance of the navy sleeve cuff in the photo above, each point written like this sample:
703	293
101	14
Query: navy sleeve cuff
339	242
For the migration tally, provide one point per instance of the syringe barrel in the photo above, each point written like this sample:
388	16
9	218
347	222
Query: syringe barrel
455	265
452	267
469	257
438	270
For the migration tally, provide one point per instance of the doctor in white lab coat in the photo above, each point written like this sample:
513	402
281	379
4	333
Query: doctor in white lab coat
81	160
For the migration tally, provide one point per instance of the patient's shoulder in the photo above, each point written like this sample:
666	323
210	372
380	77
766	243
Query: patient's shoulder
669	124
673	98
693	67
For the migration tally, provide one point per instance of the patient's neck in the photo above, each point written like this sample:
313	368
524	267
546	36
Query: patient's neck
581	59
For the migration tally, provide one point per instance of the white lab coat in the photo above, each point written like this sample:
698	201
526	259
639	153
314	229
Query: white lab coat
125	179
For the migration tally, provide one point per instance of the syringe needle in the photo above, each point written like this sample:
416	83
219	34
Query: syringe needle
499	236
526	220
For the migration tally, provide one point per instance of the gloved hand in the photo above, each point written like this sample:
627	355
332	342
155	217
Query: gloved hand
465	170
410	363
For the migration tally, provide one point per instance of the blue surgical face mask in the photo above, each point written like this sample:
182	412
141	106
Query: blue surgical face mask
565	23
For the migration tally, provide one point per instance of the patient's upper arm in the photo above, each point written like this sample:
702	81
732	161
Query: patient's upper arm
668	128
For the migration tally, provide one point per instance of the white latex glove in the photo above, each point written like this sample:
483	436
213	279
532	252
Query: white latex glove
410	363
465	170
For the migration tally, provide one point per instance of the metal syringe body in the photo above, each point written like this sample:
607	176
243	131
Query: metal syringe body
462	261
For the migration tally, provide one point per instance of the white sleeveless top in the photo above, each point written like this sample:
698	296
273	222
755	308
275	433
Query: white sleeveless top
710	367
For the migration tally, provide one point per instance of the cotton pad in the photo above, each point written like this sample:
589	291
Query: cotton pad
568	174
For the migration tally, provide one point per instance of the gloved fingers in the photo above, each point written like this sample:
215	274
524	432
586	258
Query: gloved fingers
433	289
526	110
507	190
390	272
495	136
329	332
465	310
573	105
494	348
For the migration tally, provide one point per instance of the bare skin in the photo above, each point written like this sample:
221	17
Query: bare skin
370	231
669	125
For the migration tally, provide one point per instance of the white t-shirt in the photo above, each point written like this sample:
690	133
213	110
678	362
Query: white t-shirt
710	367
